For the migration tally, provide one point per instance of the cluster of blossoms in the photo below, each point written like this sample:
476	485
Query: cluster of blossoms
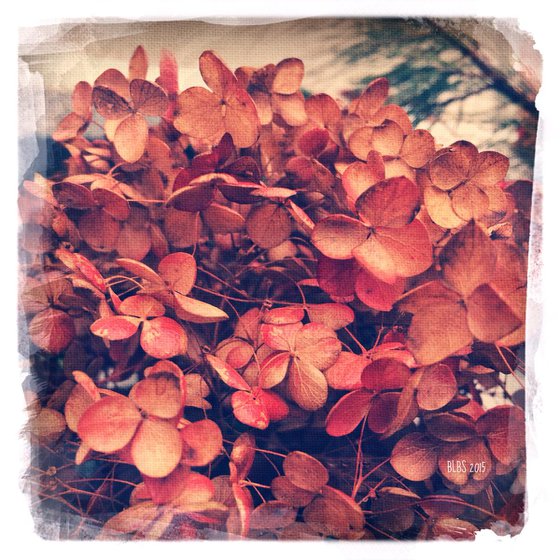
231	267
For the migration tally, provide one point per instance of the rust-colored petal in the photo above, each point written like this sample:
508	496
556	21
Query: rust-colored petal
387	139
109	424
202	442
163	338
392	253
131	137
389	203
338	235
156	448
348	412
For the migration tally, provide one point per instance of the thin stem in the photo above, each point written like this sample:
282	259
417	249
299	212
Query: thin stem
359	461
369	473
509	367
362	348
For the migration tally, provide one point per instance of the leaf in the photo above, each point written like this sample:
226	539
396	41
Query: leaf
291	108
358	177
283	315
272	515
148	98
307	386
199	114
194	197
335	514
288	493
314	141
304	471
223	220
323	110
109	104
468	259
131	137
452	528
243	454
51	330
178	270
163	338
451	427
48	425
114	80
69	127
389	203
406	409
274	369
134	519
348	412
391	253
469	452
452	165
227	374
181	229
244	503
437	331
418	148
439	207
241	119
280	337
372	98
168	72
203	443
491	168
158	395
288	76
415	457
156	448
138	65
337	277
436	388
73	195
77	403
84	266
195	389
275	406
140	269
317	345
385	374
109	424
470	202
338	236
386	139
377	294
268	225
384	412
163	490
333	315
115	327
217	76
504	429
134	242
249	409
488	316
81	99
198	493
346	372
142	306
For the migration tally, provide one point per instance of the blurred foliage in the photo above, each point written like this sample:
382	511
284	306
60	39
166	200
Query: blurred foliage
429	71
